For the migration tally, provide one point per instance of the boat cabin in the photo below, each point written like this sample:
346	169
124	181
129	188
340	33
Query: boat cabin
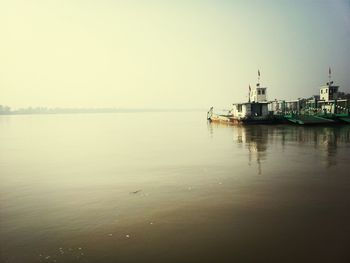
329	92
250	110
329	102
258	94
257	107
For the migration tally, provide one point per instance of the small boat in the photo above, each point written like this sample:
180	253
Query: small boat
255	111
243	113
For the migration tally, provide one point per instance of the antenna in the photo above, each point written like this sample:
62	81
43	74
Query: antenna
258	77
329	76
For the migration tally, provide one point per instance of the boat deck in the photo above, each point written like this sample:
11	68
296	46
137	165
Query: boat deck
308	119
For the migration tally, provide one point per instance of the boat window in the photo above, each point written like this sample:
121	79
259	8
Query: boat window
258	92
239	107
321	91
326	90
263	92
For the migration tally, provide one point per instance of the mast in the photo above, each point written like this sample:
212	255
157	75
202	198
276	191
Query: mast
249	93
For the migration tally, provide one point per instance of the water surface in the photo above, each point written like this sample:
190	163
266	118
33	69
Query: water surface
169	187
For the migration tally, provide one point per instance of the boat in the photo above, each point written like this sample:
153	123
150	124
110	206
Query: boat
255	111
327	108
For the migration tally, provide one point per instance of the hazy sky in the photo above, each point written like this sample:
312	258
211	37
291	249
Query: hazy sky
107	53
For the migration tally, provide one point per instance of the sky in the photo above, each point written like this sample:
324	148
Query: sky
168	54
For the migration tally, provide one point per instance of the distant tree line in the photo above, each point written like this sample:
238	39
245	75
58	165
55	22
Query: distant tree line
5	110
45	110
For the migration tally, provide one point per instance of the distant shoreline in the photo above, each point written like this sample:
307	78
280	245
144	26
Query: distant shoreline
91	111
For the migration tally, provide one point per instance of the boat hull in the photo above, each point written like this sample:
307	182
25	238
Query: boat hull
245	121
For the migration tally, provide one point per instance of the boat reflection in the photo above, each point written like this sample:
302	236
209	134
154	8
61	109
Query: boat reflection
261	140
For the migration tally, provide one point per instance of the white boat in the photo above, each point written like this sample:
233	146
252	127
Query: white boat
253	111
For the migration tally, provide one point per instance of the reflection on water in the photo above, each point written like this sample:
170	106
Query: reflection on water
168	187
257	139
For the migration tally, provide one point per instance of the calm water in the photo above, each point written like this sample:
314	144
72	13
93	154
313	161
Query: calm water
169	187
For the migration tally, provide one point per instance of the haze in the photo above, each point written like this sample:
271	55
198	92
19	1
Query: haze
168	54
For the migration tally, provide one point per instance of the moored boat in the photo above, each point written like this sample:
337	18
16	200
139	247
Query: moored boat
255	111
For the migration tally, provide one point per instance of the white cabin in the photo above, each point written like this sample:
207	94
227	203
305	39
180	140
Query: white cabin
329	99
258	94
329	92
257	107
250	110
